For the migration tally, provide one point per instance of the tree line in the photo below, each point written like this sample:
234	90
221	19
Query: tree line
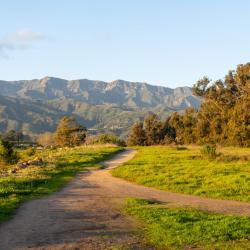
223	118
69	133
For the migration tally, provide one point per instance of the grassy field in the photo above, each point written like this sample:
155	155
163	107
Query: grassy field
59	167
185	170
179	228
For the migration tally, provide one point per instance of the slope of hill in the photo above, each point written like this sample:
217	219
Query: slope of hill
36	105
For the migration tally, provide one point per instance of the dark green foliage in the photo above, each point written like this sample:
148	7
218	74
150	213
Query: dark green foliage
137	135
7	154
224	116
181	148
152	132
13	136
110	139
184	126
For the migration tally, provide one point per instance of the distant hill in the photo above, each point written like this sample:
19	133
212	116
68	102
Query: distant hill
35	106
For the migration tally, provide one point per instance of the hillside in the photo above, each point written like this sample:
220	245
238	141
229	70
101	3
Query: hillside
36	105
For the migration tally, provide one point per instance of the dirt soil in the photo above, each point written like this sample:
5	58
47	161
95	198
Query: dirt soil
85	214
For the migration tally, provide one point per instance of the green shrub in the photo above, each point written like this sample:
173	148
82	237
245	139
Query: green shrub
30	151
110	139
181	148
7	154
209	151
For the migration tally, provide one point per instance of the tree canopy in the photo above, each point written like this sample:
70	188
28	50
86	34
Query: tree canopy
69	132
224	116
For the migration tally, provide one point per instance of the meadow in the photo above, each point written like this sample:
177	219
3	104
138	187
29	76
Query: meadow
186	170
181	228
59	167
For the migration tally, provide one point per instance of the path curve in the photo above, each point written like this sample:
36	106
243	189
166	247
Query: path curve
85	213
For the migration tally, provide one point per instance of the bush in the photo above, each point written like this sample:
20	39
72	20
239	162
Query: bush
209	151
46	139
30	151
7	154
91	140
181	148
110	139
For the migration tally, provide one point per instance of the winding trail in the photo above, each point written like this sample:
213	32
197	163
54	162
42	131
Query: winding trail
85	214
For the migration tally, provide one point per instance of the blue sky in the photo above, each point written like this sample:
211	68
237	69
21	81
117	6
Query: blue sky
170	43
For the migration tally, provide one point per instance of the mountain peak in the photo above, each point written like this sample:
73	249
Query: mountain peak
36	105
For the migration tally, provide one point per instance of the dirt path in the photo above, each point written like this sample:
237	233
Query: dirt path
85	214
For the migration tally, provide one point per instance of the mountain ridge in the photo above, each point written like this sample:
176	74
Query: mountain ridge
98	104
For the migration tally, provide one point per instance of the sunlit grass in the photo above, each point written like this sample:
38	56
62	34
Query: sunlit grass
186	171
60	166
179	228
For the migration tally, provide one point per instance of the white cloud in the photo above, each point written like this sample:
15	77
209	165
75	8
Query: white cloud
25	36
19	40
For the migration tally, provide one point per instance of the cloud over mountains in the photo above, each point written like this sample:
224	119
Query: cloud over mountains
19	40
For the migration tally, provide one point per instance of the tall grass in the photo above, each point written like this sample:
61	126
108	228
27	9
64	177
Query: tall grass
209	151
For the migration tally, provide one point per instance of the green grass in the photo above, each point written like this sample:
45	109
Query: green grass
60	166
179	228
186	171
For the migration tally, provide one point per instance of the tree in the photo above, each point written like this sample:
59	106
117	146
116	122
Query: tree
137	135
46	139
69	132
201	86
168	132
239	124
13	136
153	129
19	136
176	121
10	136
224	114
189	120
7	153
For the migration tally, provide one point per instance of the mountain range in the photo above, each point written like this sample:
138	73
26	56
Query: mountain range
35	106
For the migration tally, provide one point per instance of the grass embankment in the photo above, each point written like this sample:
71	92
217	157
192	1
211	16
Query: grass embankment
185	170
179	228
59	167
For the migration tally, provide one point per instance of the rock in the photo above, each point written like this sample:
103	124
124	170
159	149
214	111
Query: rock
23	165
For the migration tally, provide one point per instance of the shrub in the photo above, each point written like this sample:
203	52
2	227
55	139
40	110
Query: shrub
181	148
46	139
7	153
110	139
209	151
30	151
91	140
